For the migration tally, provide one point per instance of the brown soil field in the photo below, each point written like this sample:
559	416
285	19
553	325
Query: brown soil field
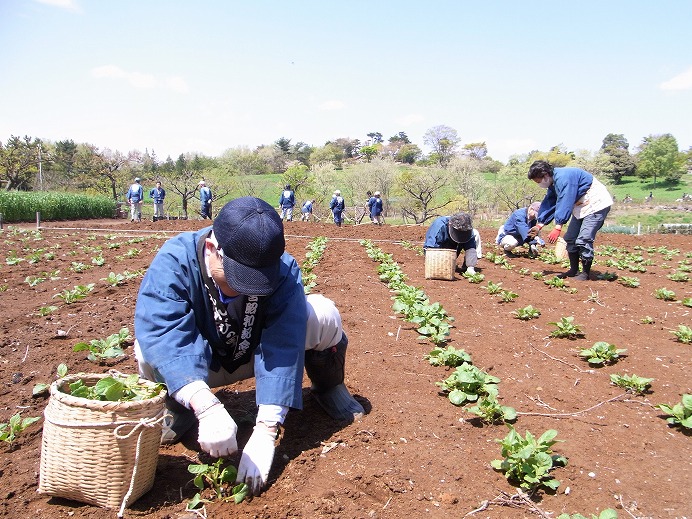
413	454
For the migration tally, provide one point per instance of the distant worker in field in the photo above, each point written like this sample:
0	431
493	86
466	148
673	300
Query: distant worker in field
337	205
205	198
375	207
158	194
572	192
135	196
521	229
287	201
306	211
456	232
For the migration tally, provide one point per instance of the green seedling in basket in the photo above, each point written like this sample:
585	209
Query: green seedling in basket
116	389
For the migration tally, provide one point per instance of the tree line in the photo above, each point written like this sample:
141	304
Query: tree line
453	176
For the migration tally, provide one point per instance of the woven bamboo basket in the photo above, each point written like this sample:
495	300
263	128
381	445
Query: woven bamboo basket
561	249
100	453
440	263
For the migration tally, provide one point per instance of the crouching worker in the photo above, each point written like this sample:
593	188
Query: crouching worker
456	232
224	304
520	229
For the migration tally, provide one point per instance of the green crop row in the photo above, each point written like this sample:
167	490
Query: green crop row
18	206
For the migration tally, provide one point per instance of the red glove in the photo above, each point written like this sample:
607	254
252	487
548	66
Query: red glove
554	235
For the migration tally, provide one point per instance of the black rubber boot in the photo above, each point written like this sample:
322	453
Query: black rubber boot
177	422
586	270
326	370
573	266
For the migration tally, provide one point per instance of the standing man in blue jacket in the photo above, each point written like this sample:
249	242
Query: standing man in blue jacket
572	192
158	194
456	232
224	304
519	229
135	196
205	198
287	201
337	205
375	205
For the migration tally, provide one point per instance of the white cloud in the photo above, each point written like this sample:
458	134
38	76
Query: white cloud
140	80
70	5
410	119
332	105
680	82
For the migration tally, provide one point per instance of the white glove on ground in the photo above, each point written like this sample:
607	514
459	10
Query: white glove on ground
217	432
257	458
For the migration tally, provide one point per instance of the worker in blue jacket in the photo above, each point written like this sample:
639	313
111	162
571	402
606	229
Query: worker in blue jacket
226	303
572	192
520	229
375	206
456	232
287	202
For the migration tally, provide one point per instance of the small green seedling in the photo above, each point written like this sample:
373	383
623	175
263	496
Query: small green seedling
490	411
683	334
526	313
608	276
449	356
627	281
647	320
77	293
687	302
631	383
42	388
664	294
566	329
10	430
493	288
474	278
467	383
114	279
601	353
99	260
679	414
608	513
555	282
537	275
507	296
528	461
678	276
220	480
108	348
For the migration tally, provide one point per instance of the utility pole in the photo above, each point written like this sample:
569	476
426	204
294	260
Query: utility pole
40	170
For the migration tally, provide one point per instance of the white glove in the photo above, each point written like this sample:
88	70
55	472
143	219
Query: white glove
217	432
257	458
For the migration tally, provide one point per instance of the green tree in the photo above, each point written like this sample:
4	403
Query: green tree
659	157
615	149
242	161
468	179
19	162
376	137
400	138
369	151
408	154
558	156
328	153
443	140
475	150
297	175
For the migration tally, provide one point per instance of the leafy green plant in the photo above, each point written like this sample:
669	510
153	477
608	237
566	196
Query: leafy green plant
448	356
77	293
493	288
608	276
46	310
679	414
524	271
630	282
13	259
566	329
664	294
99	260
315	252
108	348
687	302
507	296
32	281
116	389
474	278
555	282
607	513
467	383
678	276
631	383
220	480
537	275
42	387
601	353
78	266
410	246
683	334
114	279
491	411
527	313
528	461
647	320
16	425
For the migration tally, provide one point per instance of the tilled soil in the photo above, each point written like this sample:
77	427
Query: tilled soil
414	454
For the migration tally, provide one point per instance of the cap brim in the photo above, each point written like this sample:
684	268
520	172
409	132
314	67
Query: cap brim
460	236
252	281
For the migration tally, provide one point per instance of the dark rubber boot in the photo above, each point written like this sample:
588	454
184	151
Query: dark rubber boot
573	266
177	422
586	270
326	372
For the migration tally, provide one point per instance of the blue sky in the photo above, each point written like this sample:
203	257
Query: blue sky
204	76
